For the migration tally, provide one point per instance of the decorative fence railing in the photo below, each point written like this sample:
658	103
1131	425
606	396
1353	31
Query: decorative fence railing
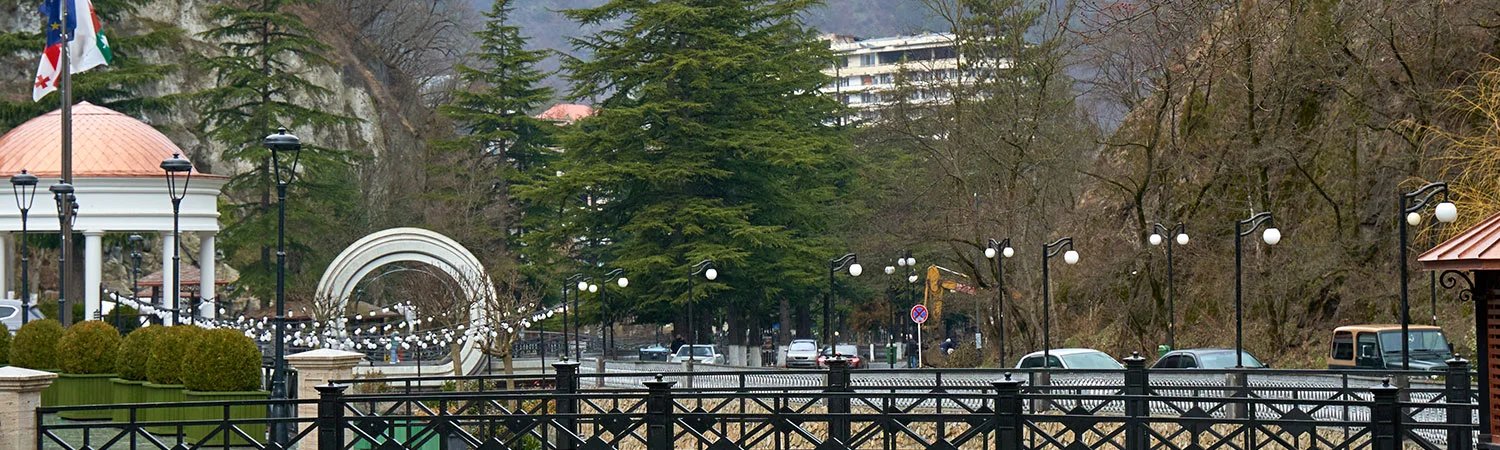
1134	409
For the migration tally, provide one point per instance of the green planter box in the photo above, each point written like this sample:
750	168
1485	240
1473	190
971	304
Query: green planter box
399	433
74	390
196	433
161	393
126	392
49	395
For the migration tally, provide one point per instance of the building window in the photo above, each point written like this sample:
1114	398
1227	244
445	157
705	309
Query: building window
867	59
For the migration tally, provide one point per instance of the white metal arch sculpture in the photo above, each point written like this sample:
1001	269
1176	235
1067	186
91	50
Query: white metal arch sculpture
413	245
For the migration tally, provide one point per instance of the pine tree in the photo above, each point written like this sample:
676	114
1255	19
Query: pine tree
118	86
500	143
711	141
260	84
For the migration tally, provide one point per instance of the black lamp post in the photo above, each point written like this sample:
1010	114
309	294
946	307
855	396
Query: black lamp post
1175	233
286	151
1271	236
890	303
910	264
67	212
834	266
1411	204
177	168
705	268
568	285
1069	256
606	315
24	186
998	250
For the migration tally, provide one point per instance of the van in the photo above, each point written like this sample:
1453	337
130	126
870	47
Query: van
1379	347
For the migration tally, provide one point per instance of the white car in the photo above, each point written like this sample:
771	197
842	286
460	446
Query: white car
10	313
803	353
701	353
1071	358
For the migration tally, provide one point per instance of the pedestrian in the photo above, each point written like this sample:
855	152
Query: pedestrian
947	346
912	350
677	342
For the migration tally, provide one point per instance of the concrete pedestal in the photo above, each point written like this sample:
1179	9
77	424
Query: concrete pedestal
20	395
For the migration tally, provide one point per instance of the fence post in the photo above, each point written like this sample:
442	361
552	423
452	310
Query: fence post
567	403
1008	414
20	395
659	414
838	403
1385	417
1235	381
331	416
1459	409
1137	411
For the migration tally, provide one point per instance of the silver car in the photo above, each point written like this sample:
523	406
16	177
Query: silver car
802	354
10	313
701	353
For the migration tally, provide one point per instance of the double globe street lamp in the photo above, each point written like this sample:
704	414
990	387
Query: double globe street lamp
1179	236
706	269
997	251
23	185
850	261
1271	236
177	168
1412	204
1070	256
606	316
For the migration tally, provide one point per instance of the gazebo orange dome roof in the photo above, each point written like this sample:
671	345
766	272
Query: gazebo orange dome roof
106	144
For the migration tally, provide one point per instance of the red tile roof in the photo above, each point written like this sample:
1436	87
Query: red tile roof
1477	248
566	113
106	143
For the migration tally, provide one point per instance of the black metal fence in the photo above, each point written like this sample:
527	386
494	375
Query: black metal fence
1134	409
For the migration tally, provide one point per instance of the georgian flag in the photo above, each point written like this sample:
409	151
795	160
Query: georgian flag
86	49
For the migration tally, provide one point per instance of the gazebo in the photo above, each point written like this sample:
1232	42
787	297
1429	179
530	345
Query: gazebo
121	188
1477	251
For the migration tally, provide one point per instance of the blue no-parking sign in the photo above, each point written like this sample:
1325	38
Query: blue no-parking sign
919	314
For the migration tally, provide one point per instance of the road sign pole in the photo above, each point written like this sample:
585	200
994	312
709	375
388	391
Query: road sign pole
919	315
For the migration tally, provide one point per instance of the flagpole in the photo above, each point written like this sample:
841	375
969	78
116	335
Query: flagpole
64	311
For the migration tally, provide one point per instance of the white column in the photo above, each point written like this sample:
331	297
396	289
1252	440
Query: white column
93	270
206	278
167	244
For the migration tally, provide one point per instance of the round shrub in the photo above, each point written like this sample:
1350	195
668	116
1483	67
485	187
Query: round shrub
165	364
222	360
88	348
35	345
4	345
130	362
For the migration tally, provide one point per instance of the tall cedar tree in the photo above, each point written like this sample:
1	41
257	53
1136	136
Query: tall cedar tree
711	141
500	143
261	84
118	86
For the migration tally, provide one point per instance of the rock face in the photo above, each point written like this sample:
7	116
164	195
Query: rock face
360	84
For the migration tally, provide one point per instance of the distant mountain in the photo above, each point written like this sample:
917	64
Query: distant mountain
548	28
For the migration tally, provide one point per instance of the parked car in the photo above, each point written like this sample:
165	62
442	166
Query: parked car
1205	358
1379	347
1070	358
701	353
848	351
655	353
10	313
802	354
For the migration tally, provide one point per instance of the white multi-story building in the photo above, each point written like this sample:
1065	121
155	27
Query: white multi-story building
866	69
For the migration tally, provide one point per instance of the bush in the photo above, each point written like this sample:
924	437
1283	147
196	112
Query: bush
164	366
963	356
48	308
4	345
130	361
35	345
129	319
88	348
222	360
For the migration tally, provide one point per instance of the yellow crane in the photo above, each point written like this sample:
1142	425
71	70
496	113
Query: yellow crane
932	297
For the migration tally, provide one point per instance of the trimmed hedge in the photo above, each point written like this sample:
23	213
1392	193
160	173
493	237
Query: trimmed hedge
4	345
222	360
130	361
35	345
88	348
165	364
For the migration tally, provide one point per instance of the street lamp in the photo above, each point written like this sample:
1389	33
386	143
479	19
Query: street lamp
1271	236
850	261
286	151
1002	249
24	186
705	268
568	286
1069	256
1412	204
583	284
67	213
177	167
909	263
890	303
605	315
1179	233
